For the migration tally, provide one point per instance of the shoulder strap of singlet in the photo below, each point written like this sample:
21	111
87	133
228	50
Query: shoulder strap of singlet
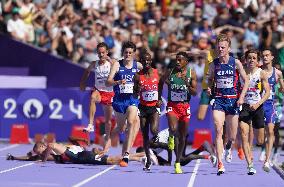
135	66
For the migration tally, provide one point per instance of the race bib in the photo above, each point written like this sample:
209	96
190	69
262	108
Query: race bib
178	96
76	149
150	95
225	83
126	88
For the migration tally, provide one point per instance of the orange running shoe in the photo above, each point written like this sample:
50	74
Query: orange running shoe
123	163
221	168
124	160
241	154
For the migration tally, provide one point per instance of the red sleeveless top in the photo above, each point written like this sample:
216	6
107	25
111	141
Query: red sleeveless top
149	88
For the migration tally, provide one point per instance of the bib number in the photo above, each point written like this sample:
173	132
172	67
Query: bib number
150	96
178	96
126	88
225	83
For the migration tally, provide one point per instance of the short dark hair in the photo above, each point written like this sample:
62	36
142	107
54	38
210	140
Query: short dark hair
267	49
255	51
128	44
102	44
36	146
140	149
184	54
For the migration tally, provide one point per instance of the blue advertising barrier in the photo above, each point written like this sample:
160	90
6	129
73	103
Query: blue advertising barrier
57	110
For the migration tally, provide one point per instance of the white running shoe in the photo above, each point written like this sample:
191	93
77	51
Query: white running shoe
213	160
153	157
251	170
266	167
228	155
90	128
262	156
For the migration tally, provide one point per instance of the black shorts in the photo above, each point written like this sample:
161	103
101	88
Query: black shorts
146	111
86	157
255	117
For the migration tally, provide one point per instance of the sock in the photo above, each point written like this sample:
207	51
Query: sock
229	145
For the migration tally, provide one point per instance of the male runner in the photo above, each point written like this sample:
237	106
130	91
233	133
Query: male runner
101	93
124	103
77	154
182	83
160	143
252	109
274	75
146	87
226	105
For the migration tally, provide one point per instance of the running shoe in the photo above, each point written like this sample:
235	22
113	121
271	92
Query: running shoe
228	155
147	166
262	156
251	170
213	160
266	166
241	154
171	143
124	160
178	169
90	128
221	168
9	157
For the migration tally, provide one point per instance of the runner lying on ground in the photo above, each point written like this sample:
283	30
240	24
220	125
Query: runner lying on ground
160	143
31	156
73	154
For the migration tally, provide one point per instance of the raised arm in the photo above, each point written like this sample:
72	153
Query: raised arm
86	75
245	78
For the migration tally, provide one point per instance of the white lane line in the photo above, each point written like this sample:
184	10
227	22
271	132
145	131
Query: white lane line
9	147
11	169
93	177
192	178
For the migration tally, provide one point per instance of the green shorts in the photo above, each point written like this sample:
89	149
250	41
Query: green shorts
204	98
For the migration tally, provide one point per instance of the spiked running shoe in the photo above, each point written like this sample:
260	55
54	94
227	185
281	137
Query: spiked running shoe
221	169
178	169
90	128
228	155
251	170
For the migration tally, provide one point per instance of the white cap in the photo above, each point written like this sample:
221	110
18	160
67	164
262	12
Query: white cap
98	21
151	22
240	10
151	1
137	32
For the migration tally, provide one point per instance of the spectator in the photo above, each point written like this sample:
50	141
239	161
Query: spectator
17	27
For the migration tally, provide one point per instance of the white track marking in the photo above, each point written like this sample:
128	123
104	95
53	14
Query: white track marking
93	177
11	169
192	178
9	147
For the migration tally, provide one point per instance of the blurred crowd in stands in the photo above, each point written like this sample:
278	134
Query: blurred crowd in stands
72	29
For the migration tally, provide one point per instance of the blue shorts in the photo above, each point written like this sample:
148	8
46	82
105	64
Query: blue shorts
120	104
229	106
269	113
